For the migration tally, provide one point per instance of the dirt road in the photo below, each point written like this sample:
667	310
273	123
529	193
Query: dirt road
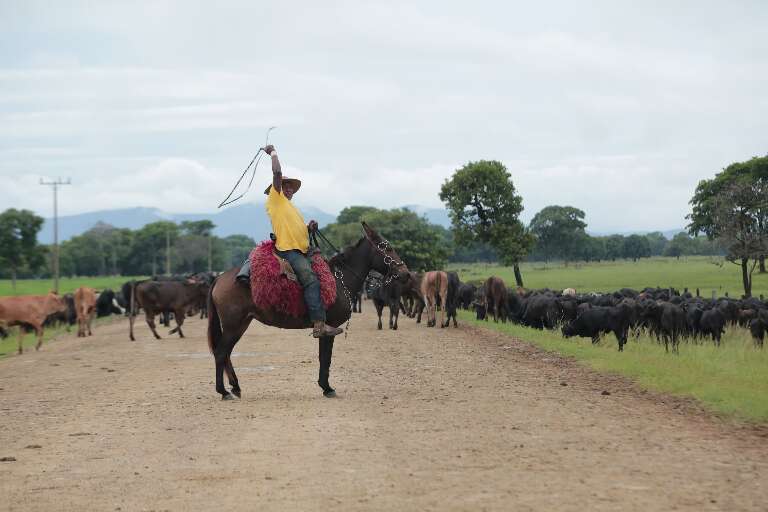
426	419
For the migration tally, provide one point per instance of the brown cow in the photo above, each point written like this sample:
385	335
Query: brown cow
496	298
433	285
157	297
30	310
85	306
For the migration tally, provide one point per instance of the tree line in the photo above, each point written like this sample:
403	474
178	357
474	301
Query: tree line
729	217
156	248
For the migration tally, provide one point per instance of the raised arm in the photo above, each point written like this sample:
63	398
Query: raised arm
277	172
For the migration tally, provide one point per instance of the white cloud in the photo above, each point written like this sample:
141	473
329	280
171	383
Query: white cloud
612	108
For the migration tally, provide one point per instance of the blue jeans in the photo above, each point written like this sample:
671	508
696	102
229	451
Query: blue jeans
302	266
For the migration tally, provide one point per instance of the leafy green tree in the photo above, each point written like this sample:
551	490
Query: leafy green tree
732	208
636	246
352	214
614	247
559	230
658	242
681	245
148	252
18	242
236	250
421	245
591	248
101	250
197	227
485	207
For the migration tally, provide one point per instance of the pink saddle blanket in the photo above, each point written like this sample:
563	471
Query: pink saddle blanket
271	288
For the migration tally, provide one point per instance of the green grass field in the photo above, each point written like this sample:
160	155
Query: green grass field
731	380
66	284
706	273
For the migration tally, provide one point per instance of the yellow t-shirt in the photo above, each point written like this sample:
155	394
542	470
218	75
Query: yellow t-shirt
287	223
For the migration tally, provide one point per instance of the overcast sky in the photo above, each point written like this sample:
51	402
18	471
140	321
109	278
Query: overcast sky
615	108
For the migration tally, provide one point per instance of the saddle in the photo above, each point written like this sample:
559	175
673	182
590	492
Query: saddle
274	284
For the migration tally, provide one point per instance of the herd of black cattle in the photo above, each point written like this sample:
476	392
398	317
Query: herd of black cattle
665	313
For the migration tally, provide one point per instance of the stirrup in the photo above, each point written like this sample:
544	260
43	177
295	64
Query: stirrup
327	330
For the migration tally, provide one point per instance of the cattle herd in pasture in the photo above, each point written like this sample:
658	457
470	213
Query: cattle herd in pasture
666	314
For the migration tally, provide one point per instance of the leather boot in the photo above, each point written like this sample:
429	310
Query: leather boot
323	329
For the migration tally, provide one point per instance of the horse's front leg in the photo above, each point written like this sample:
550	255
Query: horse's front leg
326	353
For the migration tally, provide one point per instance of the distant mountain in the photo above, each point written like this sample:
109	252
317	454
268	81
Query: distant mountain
247	219
434	215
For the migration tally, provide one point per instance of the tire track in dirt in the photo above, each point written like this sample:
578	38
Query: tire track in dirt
427	419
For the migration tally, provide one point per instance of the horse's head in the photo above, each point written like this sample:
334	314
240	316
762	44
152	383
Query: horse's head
385	258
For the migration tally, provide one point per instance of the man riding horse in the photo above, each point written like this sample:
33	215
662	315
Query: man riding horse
292	243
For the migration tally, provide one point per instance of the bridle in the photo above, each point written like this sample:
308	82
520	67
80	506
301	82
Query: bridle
381	246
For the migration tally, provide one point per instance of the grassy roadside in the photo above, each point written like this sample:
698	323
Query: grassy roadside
66	284
731	380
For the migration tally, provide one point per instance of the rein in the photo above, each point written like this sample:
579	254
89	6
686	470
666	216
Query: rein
338	274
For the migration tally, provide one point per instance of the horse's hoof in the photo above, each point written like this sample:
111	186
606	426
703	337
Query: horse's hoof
330	393
228	396
236	392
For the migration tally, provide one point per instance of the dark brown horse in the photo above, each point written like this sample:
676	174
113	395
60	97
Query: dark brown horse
231	308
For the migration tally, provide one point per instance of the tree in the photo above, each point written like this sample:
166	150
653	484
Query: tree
681	244
148	252
732	208
658	242
197	227
591	248
18	241
614	247
101	250
352	214
421	245
484	207
559	230
236	249
636	246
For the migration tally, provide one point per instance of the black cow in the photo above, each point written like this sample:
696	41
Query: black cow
67	318
452	298
357	302
481	312
667	321
597	320
105	304
759	327
156	297
542	311
388	294
712	323
466	295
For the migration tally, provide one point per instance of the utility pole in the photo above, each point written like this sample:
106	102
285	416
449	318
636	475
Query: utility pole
55	184
167	252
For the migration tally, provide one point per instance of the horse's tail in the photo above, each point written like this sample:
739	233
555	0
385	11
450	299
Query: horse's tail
214	324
